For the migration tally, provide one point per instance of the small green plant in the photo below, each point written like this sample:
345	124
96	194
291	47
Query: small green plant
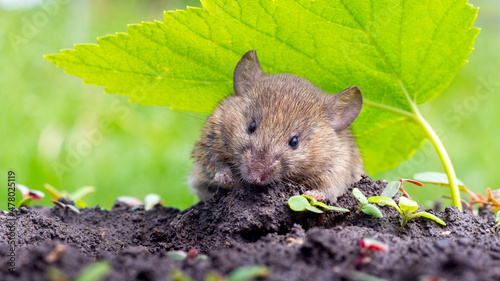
366	207
361	276
28	195
392	188
181	255
492	197
240	274
405	208
75	196
66	206
248	272
94	272
301	203
150	201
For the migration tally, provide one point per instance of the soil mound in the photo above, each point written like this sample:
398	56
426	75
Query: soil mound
250	226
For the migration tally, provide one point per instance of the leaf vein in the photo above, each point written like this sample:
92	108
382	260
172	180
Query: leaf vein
283	42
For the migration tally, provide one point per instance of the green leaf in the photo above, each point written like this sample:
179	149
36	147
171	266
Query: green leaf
390	189
81	204
25	202
399	53
150	200
314	209
372	211
338	209
94	272
360	196
361	276
73	208
249	272
428	216
385	201
407	205
437	179
320	204
311	200
298	203
177	255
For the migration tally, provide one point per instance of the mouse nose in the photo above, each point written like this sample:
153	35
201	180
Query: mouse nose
259	172
257	177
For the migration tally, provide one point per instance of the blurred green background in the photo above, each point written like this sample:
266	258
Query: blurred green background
47	115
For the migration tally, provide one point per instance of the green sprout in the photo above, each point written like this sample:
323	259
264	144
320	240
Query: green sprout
150	201
240	274
248	272
181	255
300	203
66	206
492	197
406	206
94	272
28	195
392	188
366	207
361	276
75	196
24	202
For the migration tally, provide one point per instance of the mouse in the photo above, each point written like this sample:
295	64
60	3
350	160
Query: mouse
278	128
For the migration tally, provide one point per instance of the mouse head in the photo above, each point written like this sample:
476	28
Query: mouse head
285	128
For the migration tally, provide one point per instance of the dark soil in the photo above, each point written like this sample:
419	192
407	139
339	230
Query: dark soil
250	226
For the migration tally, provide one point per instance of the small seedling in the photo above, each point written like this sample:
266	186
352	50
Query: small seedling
392	188
366	207
240	274
181	255
361	276
28	195
300	203
75	196
492	196
248	272
94	271
24	202
66	206
369	245
406	206
150	200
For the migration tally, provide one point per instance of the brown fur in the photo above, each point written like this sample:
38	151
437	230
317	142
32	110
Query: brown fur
326	160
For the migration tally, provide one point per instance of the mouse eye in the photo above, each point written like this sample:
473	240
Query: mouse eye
252	127
294	142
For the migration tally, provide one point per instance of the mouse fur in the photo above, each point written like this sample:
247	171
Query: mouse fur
249	138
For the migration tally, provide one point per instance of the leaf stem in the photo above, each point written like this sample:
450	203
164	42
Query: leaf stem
445	159
441	151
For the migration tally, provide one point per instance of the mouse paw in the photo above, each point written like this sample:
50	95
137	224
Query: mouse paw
316	194
223	178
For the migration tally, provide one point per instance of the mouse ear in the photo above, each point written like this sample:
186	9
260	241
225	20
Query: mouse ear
344	107
247	72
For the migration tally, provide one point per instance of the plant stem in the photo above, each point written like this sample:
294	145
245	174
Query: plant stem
443	156
359	210
439	147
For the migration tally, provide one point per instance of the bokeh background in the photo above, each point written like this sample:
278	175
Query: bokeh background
46	114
